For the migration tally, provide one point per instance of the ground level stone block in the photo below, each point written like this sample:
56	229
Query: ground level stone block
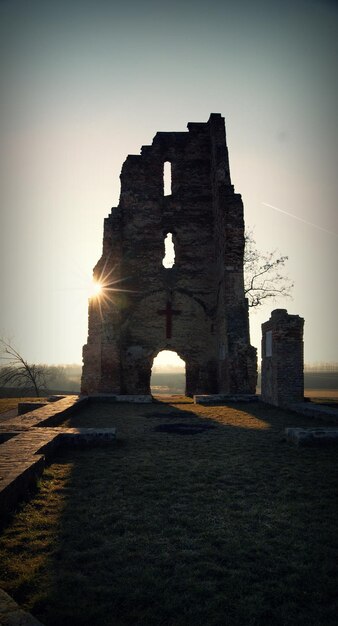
112	397
218	398
81	437
25	407
312	436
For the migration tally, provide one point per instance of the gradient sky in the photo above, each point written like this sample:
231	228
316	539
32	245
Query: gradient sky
84	84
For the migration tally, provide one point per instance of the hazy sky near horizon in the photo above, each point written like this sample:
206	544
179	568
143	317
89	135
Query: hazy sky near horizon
84	84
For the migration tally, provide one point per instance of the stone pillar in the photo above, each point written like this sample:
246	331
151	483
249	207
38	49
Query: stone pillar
282	359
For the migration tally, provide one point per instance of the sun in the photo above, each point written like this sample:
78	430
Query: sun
103	286
95	289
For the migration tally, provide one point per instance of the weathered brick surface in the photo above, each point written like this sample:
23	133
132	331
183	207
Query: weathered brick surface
282	359
16	479
210	329
52	411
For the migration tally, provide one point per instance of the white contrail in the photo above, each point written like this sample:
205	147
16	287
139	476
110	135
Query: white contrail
300	219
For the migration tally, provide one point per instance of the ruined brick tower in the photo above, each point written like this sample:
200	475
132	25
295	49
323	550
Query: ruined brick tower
196	308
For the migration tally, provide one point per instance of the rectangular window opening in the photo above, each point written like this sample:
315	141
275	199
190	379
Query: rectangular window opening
167	178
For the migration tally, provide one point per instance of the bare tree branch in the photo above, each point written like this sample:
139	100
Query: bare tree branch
262	276
18	372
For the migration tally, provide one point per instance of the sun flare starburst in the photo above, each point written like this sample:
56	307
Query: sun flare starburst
95	289
106	288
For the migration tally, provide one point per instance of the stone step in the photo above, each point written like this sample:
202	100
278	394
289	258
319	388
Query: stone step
23	454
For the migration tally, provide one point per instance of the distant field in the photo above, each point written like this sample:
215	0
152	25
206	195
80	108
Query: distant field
321	393
317	384
321	380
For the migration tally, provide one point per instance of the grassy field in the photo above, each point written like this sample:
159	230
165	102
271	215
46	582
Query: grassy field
11	403
216	522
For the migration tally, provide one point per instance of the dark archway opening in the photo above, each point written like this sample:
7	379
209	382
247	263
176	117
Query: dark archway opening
168	375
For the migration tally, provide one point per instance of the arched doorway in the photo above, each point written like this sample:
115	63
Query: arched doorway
167	374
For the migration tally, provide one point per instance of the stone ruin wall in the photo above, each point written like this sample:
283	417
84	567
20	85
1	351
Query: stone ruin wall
204	288
283	359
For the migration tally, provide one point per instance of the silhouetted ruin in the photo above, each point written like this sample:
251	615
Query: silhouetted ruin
196	307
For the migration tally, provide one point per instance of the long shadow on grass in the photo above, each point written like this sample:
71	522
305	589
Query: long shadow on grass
224	525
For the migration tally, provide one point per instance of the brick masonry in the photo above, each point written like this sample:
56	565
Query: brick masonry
282	359
196	308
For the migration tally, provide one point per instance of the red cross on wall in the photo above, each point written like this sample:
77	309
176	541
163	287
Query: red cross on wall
169	312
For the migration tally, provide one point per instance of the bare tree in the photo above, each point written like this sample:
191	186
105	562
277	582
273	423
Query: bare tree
17	372
263	274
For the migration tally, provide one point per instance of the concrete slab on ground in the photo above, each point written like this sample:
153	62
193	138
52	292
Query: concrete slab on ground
312	436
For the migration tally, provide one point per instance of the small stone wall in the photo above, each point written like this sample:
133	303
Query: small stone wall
111	397
282	359
312	436
30	440
26	407
224	399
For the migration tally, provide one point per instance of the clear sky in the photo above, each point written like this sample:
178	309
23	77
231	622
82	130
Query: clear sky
84	84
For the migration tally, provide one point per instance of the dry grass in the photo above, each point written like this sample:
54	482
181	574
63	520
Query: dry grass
11	403
227	526
330	395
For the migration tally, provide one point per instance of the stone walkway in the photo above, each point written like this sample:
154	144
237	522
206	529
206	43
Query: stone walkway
28	441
